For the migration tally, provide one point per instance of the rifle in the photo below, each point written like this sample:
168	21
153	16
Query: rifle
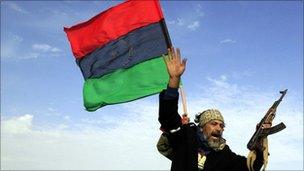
264	132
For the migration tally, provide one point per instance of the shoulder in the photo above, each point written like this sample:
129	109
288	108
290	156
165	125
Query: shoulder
189	131
227	149
185	129
190	127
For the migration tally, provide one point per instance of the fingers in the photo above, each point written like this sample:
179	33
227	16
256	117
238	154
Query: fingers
178	55
171	53
184	62
165	58
169	57
175	55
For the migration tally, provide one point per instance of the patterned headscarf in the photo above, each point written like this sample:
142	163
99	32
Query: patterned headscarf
208	115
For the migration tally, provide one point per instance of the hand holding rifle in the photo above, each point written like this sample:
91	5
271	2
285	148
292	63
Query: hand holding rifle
258	142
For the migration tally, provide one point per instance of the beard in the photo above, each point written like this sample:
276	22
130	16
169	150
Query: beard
216	143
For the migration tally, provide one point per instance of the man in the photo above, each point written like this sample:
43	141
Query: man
193	147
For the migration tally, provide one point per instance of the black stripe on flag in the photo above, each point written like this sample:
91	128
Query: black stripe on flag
137	46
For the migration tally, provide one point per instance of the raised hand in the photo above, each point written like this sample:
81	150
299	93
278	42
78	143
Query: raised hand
175	66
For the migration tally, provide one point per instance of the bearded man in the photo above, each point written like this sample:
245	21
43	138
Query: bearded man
193	147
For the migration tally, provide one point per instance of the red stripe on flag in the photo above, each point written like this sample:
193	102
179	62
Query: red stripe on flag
111	24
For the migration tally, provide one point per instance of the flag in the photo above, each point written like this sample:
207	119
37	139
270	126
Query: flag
119	53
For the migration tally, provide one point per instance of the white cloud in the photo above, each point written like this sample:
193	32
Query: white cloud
59	13
44	48
191	20
55	50
171	22
16	7
22	124
194	25
199	11
67	118
223	77
41	47
227	41
51	109
180	21
130	144
14	47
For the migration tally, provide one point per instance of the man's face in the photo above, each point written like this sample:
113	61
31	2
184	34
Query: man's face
213	131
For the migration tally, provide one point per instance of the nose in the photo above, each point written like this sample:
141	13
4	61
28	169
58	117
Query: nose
218	128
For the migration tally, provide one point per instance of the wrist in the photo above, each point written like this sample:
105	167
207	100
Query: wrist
174	82
174	77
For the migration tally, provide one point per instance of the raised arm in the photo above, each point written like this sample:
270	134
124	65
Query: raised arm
168	99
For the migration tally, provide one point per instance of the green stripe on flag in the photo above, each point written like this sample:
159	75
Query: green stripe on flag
144	79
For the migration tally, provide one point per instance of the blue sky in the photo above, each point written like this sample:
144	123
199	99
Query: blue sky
240	54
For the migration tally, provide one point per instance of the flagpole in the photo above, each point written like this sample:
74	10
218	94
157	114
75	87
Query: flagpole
166	33
169	45
182	92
